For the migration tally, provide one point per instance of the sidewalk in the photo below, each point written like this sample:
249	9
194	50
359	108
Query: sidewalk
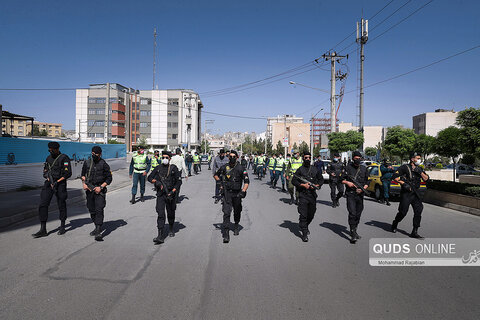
16	206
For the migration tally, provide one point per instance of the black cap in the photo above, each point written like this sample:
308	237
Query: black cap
166	153
234	152
414	154
336	154
97	149
307	153
178	151
54	145
156	151
222	151
356	154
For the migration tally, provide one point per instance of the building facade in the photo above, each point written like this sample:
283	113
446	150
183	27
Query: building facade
373	135
166	119
288	118
430	123
296	133
321	127
52	129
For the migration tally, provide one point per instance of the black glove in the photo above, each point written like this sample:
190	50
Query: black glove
171	195
418	170
407	187
242	194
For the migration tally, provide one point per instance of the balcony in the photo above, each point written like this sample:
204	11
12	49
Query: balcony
118	107
118	131
118	117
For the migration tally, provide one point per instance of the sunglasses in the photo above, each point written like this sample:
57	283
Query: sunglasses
166	157
307	157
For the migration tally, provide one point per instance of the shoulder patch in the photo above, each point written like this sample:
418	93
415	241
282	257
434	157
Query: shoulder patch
65	163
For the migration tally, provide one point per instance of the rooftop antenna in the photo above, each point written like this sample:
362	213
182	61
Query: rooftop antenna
154	56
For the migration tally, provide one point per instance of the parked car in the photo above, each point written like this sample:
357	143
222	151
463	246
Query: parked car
461	168
204	159
376	187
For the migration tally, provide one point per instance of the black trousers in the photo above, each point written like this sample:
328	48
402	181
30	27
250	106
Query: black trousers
163	204
355	208
46	195
218	184
334	186
307	206
231	201
95	205
407	199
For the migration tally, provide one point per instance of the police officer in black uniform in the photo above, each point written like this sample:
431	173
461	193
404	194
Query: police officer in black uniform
232	175
354	171
409	176
96	176
167	180
56	171
334	170
307	195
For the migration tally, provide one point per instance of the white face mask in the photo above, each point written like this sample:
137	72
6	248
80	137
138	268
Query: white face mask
418	162
165	161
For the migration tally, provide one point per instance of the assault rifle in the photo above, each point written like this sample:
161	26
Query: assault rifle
310	184
410	184
159	184
357	185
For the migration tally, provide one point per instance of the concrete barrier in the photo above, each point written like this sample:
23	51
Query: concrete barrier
442	174
453	201
471	179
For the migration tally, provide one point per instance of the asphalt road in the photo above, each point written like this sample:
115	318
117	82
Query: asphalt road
266	272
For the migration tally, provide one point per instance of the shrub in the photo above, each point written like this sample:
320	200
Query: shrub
454	187
439	166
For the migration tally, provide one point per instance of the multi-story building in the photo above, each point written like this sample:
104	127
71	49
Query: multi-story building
430	123
288	118
296	133
167	119
15	124
52	129
372	135
321	126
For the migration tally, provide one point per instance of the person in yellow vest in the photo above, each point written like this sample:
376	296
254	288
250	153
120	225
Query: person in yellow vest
279	171
292	166
139	167
260	166
209	161
156	159
196	162
272	162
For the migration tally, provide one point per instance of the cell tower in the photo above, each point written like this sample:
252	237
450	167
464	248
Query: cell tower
362	38
154	56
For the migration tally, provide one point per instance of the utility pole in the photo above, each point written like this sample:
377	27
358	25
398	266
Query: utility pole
362	38
333	57
205	134
154	56
105	127
311	138
285	145
188	119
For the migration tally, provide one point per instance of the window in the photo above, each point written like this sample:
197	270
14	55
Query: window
174	136
99	123
144	124
99	135
91	123
91	135
144	113
113	100
56	131
96	100
374	171
172	113
145	101
173	102
20	127
92	111
100	111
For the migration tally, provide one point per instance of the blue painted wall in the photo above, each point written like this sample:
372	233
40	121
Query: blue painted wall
16	151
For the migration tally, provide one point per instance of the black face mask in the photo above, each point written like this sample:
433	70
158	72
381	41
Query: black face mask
95	157
54	153
233	160
306	163
356	162
221	157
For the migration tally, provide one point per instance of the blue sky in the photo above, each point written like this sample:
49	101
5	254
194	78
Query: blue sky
210	45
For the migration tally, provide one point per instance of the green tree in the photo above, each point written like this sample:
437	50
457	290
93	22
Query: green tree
399	141
202	147
36	132
303	147
447	144
345	141
279	148
425	145
469	121
269	146
142	141
113	141
295	147
370	151
316	150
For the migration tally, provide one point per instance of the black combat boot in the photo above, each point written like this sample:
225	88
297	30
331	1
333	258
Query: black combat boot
387	202
98	233
415	234
93	232
308	232
292	200
337	203
283	188
334	203
296	201
236	229
142	198
171	233
159	238
355	234
353	238
61	229
42	232
305	236
394	226
133	199
226	235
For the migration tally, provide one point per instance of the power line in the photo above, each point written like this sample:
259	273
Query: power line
40	89
389	16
